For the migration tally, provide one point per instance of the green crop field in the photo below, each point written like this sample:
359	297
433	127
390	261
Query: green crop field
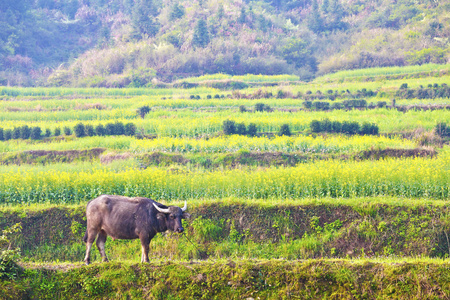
284	209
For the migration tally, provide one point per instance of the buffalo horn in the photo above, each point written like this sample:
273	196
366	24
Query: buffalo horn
185	206
163	210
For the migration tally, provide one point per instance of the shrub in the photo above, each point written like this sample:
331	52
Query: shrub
284	130
25	132
89	130
315	126
208	97
262	107
100	130
130	129
48	133
15	133
9	269
381	104
1	135
229	127
241	129
36	133
79	130
325	125
404	86
307	104
242	108
110	129
57	131
7	134
143	110
119	128
67	131
252	129
336	126
442	129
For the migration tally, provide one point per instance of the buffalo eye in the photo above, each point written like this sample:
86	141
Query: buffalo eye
172	216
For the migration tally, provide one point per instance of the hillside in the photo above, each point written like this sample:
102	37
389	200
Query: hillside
118	43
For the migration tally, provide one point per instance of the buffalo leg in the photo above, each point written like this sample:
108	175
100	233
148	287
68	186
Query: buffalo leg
91	235
101	239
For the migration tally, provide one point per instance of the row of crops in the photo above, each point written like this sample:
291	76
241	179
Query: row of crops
412	178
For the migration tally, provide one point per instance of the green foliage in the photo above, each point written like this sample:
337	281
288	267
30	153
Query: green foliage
201	34
8	256
143	110
252	129
442	130
100	130
57	131
36	133
25	132
89	130
284	130
177	12
130	129
67	130
143	18
229	127
79	130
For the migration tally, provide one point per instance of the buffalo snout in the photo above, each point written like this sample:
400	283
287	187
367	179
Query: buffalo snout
179	230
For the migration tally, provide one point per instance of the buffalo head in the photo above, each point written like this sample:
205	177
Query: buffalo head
173	216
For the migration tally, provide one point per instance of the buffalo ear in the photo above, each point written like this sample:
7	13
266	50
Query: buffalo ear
186	215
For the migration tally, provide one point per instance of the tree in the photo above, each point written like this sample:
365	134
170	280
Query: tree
201	35
79	130
143	18
284	130
36	133
177	12
296	52
314	20
242	17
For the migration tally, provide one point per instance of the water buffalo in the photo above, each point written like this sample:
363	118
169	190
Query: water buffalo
129	218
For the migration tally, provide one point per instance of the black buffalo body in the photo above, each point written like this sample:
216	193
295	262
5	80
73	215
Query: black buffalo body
123	217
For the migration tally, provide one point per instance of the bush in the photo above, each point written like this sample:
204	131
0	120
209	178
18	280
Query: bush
119	128
130	129
15	133
89	130
79	130
229	127
25	132
143	110
315	126
252	129
48	133
307	104
442	130
381	104
284	130
67	131
36	133
262	107
57	131
7	134
100	130
1	135
110	129
336	126
241	129
242	108
9	269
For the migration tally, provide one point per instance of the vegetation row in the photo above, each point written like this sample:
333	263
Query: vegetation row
235	279
236	228
409	177
80	130
346	127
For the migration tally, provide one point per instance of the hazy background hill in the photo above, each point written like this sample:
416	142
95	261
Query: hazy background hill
117	43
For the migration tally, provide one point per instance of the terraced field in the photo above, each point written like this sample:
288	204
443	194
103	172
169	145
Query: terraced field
275	213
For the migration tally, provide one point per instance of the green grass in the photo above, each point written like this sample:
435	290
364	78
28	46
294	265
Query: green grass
383	71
